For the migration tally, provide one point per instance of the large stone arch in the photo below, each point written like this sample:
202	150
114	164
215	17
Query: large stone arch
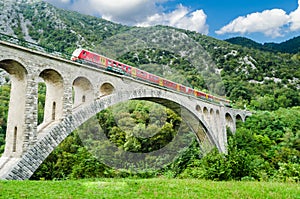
16	113
53	110
83	91
59	131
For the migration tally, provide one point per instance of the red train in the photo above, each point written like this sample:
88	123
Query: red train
91	58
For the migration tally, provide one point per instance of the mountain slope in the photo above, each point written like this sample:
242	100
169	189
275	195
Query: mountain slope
40	22
290	46
248	74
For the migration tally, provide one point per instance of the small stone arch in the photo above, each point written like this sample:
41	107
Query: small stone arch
229	122
212	115
83	91
246	117
217	121
206	114
205	111
198	108
106	88
239	118
53	108
16	109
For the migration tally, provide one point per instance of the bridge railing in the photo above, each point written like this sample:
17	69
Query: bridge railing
33	46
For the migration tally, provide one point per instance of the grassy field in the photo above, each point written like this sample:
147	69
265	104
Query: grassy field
147	188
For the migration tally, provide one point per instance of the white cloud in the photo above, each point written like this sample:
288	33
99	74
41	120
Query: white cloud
122	11
139	12
180	18
295	18
273	23
269	22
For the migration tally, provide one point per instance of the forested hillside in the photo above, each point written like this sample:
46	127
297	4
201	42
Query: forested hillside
290	46
264	81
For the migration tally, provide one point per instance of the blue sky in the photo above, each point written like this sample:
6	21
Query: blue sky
260	20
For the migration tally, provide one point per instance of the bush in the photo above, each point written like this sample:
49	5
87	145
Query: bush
288	172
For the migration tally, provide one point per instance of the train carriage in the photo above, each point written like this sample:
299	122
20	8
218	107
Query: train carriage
96	60
190	91
201	94
116	66
153	78
182	88
141	74
81	55
169	84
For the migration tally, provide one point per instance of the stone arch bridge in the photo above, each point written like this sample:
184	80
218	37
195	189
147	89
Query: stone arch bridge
74	93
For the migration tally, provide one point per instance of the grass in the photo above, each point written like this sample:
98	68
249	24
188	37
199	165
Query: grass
147	188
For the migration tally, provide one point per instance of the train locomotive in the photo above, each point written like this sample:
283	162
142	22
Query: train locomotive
102	62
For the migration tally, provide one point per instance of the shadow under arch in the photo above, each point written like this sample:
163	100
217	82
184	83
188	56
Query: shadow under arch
59	131
15	132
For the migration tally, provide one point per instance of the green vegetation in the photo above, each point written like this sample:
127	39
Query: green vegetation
147	188
4	101
264	148
290	46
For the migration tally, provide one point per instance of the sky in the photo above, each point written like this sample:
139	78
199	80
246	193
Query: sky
260	20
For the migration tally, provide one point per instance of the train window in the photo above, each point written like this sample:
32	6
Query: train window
84	53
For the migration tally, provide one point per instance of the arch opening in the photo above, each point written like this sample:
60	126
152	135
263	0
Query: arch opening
205	111
50	100
229	122
13	95
239	118
82	91
212	115
198	108
106	89
206	114
136	133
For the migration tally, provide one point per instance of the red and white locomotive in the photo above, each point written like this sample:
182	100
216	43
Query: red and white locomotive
99	61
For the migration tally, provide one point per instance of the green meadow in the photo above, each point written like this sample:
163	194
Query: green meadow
148	188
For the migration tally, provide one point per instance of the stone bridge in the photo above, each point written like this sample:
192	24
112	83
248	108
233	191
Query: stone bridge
75	93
